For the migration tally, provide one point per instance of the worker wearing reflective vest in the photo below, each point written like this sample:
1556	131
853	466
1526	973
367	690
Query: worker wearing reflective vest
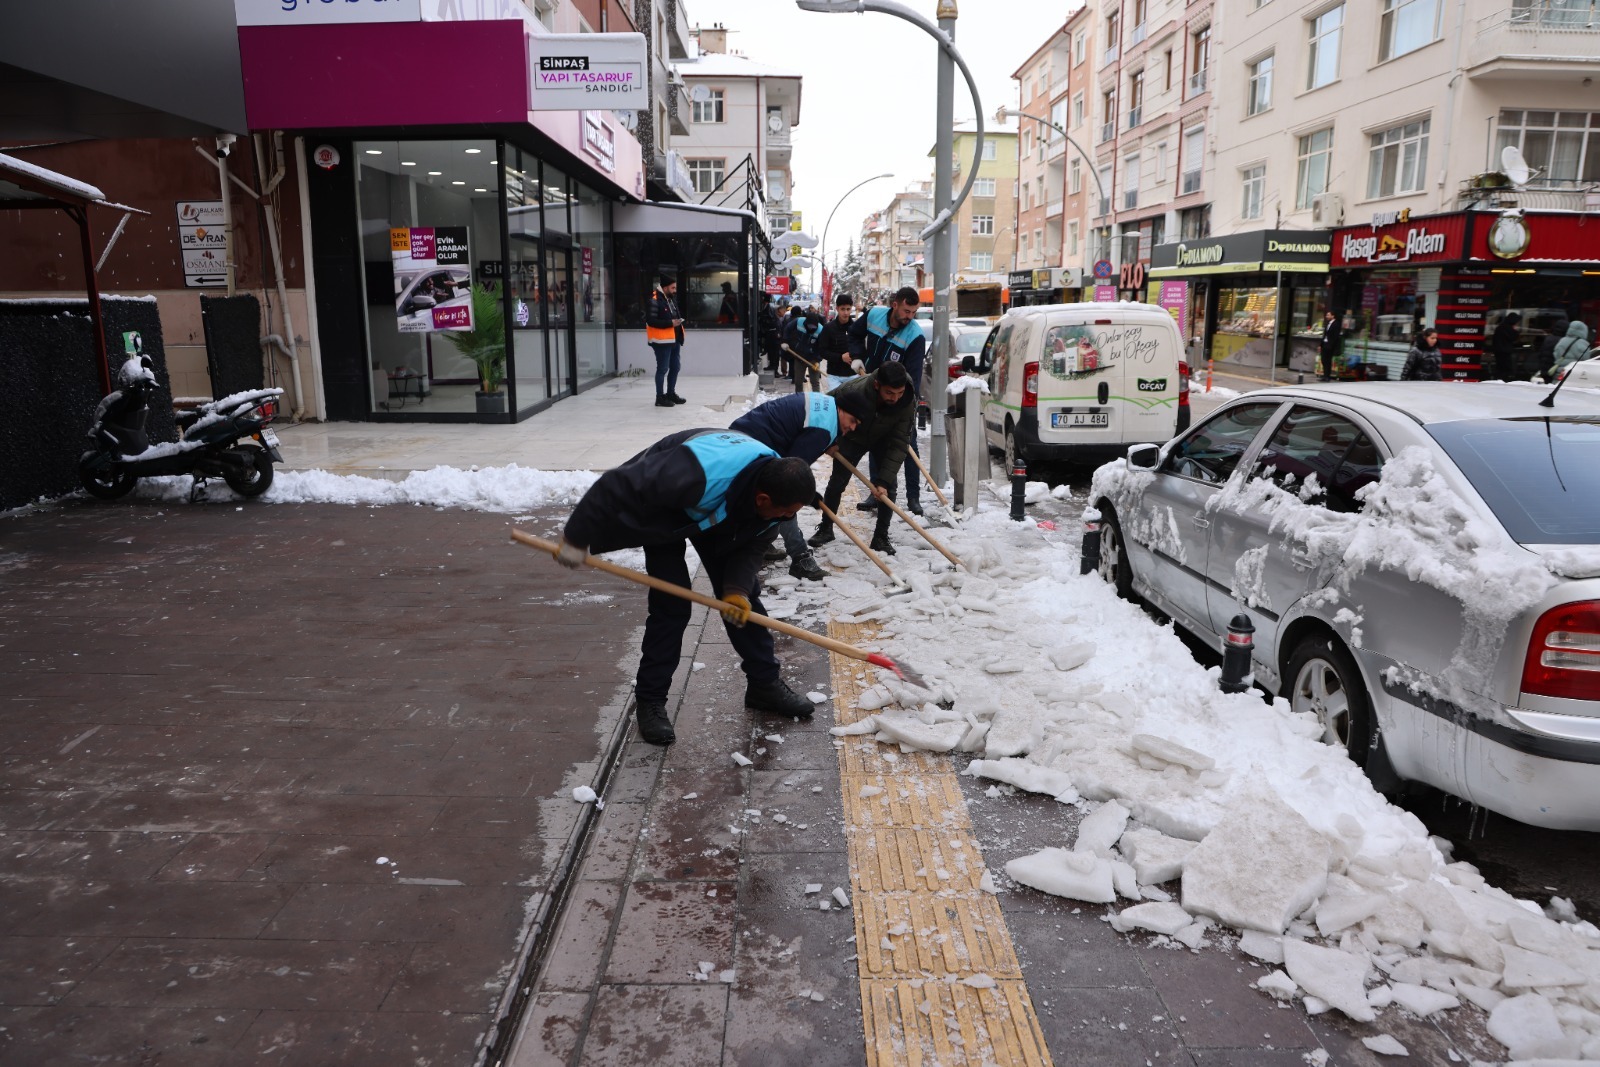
722	492
891	335
663	328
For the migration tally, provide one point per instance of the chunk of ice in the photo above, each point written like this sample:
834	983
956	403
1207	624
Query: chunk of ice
1420	1000
1280	985
1337	977
741	759
583	795
1261	866
1528	1027
1156	917
1262	946
1534	970
1073	656
1169	751
841	896
813	887
816	697
1077	875
1156	858
1384	1045
1101	829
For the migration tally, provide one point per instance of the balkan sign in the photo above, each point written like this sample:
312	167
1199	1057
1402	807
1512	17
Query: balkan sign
203	242
587	71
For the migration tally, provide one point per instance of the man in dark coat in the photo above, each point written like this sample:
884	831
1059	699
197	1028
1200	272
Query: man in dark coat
833	347
803	425
767	327
885	438
722	492
1503	343
891	335
1332	342
663	328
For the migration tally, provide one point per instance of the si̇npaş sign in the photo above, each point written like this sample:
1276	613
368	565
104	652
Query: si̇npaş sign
587	71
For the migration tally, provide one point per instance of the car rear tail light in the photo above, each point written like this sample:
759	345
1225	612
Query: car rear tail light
1030	384
1183	384
1564	653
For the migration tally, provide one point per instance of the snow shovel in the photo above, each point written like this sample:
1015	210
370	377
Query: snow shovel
877	659
900	511
899	583
802	359
949	512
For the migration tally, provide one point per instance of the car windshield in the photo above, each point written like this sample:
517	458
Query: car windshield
971	342
1540	476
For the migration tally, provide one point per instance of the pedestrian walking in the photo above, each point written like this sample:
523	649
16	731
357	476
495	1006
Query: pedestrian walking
1569	350
663	328
891	335
803	426
1422	362
1332	343
804	329
833	346
722	492
1503	343
883	439
767	328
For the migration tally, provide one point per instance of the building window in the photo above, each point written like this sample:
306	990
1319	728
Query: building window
1322	66
1140	9
1108	115
1105	191
1072	238
1254	182
1024	198
706	173
709	109
777	185
989	148
1408	25
983	225
1075	176
1194	159
1038	242
1058	120
1161	162
1080	47
1168	58
1130	183
1112	29
981	261
1199	60
1135	99
1311	176
983	187
1398	160
1077	110
1260	86
1026	254
1563	144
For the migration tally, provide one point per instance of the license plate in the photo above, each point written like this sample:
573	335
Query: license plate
268	437
1074	420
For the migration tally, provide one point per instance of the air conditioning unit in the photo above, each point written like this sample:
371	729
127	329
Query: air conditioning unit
1327	209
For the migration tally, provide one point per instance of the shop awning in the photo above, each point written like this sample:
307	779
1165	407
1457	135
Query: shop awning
1244	253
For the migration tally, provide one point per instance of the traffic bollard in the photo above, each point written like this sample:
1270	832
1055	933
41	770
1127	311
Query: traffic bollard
1019	488
1240	643
1089	555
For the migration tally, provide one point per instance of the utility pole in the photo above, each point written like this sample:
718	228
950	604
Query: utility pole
937	372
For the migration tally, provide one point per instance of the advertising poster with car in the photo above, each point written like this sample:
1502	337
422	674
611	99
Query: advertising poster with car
432	278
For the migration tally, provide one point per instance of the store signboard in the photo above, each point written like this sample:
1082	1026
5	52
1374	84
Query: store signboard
584	71
203	243
1021	279
1436	239
1237	253
1511	237
323	12
777	284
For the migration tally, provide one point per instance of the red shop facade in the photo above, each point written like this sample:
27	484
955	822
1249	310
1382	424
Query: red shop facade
1463	273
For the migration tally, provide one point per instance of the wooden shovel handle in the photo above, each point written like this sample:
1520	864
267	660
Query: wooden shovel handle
900	511
923	467
802	359
862	545
709	601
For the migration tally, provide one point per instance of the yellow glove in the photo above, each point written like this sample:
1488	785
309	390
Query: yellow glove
736	610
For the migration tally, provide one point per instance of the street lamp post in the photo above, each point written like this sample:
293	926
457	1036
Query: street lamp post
823	249
945	207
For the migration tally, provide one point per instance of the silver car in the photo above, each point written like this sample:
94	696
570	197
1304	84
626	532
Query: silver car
1418	561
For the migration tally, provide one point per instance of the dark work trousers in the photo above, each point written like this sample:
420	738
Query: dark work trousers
841	476
669	616
913	479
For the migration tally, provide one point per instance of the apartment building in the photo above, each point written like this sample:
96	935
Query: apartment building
1385	122
985	228
907	215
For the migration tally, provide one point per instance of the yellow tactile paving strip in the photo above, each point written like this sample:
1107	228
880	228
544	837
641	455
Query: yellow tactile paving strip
940	982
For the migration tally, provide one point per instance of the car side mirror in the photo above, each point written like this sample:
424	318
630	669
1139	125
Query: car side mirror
1144	457
968	364
422	300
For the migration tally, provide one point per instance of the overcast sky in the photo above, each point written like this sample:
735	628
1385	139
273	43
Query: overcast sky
867	101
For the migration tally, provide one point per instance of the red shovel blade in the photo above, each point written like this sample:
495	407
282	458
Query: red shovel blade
878	659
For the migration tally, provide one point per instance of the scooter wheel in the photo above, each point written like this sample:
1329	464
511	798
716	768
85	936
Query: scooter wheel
104	482
256	476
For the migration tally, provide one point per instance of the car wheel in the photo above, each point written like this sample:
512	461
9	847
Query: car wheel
1114	567
1324	681
1010	451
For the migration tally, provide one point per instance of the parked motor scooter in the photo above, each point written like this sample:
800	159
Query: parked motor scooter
227	439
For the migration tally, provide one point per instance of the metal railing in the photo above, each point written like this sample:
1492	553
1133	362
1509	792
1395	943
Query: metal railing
1555	15
1197	82
1130	199
1105	207
1190	182
1108	130
1136	35
1135	116
1111	54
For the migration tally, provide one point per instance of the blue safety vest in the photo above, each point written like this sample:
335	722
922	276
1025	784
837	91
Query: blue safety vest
722	456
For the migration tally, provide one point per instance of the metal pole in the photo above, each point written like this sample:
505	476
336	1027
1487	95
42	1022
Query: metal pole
1272	360
937	373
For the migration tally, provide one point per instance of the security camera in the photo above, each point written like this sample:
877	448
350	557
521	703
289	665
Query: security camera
225	143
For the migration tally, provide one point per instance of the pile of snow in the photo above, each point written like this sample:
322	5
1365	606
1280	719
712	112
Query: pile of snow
1055	686
510	489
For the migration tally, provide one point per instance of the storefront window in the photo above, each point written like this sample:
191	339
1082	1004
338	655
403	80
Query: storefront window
709	269
430	211
591	214
524	228
1245	325
1383	320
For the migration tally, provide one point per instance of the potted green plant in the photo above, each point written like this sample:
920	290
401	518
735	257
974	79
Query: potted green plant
485	345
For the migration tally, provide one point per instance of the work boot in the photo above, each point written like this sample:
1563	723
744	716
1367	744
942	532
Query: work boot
914	506
869	504
663	401
777	698
775	553
806	567
654	726
881	543
823	536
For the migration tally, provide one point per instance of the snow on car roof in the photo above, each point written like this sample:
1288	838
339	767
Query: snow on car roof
1434	402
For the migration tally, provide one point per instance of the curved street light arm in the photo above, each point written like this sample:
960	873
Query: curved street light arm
889	7
1006	112
822	250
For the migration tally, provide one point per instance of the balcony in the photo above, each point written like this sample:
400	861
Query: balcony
1110	55
1056	148
1197	83
1130	199
679	109
1189	183
1108	130
1135	116
1053	208
1556	40
1541	194
1105	208
1136	35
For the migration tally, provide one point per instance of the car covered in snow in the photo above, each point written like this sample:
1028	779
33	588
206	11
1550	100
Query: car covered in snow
1419	562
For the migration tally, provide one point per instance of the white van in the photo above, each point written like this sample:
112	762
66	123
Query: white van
1079	383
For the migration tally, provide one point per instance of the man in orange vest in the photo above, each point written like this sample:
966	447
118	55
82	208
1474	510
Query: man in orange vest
663	328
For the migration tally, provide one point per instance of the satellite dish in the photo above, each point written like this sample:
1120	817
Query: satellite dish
700	94
1514	166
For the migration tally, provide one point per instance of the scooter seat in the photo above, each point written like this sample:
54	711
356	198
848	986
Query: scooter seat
187	419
